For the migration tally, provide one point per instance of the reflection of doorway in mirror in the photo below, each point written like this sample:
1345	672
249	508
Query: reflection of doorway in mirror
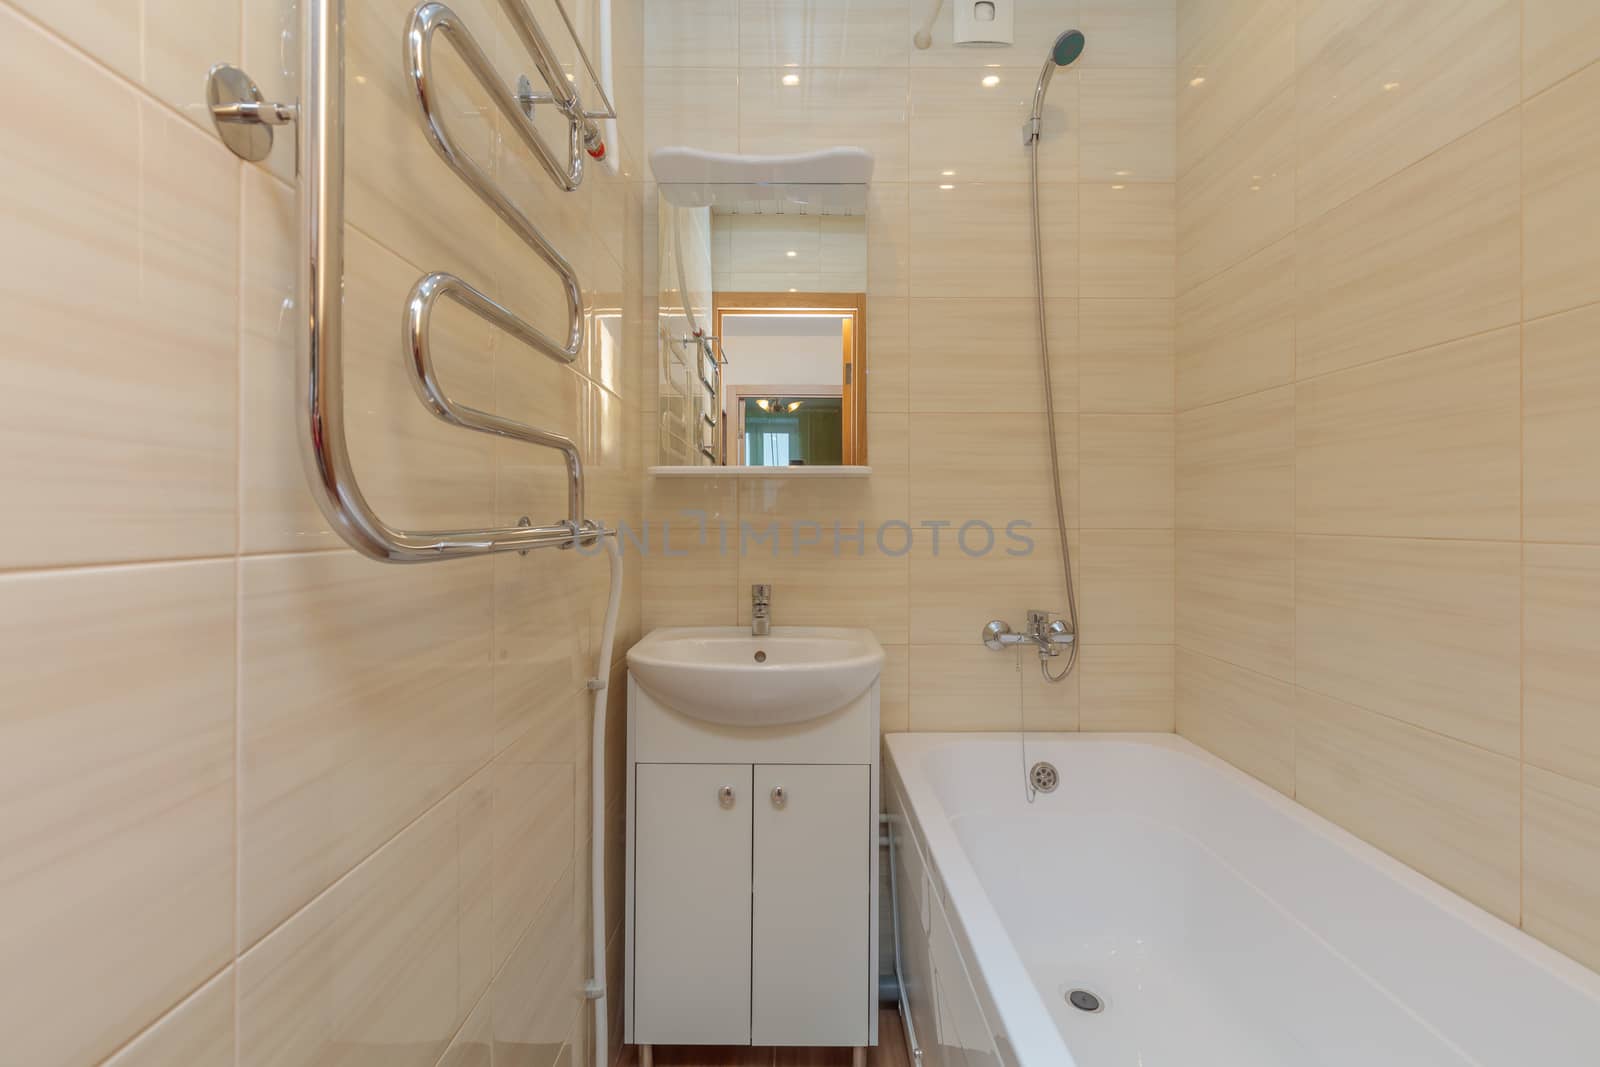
792	383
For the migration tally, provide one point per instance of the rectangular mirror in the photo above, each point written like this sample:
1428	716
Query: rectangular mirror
762	324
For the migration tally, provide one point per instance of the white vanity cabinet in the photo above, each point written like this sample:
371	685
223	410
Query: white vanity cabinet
751	878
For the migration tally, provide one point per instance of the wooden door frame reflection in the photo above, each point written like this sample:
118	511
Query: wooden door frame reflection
852	307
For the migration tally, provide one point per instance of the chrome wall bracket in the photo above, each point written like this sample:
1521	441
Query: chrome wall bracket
243	119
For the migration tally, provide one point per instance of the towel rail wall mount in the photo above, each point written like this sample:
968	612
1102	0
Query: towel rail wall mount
246	122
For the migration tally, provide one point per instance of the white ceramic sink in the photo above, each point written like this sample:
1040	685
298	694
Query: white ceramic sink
724	675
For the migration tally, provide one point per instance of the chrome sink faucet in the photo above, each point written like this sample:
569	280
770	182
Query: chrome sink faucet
1046	634
760	610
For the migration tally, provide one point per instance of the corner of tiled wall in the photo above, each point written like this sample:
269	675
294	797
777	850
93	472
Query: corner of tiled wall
1387	547
266	801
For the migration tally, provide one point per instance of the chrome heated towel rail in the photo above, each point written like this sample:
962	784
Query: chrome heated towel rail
319	120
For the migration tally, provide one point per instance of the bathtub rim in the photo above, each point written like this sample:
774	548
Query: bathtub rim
1025	1022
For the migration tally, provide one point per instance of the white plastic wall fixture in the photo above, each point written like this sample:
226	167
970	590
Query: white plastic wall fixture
984	22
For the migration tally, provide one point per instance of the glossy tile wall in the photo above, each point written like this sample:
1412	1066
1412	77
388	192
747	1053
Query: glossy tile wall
956	416
263	801
1388	559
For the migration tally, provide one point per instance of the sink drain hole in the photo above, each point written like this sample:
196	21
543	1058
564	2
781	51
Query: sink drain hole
1084	1000
761	657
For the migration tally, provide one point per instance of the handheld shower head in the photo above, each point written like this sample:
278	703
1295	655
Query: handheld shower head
1068	47
1064	52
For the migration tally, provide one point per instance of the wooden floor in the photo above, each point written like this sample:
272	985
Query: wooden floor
891	1052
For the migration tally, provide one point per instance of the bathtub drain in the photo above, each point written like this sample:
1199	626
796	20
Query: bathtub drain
1084	1000
1044	777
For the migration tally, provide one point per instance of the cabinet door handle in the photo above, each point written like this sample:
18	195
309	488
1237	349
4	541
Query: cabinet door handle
725	796
779	797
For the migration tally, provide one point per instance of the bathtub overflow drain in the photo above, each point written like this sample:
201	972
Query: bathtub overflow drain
1044	777
761	656
1084	1000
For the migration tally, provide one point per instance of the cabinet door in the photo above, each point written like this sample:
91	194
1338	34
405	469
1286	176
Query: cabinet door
813	848
691	899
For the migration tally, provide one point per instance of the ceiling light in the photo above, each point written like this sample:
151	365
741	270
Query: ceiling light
991	80
791	253
791	79
947	187
1124	173
1198	81
948	173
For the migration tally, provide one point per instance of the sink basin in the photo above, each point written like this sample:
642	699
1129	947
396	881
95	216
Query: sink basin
724	675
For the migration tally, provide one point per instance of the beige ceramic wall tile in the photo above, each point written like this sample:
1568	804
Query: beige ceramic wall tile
197	1033
977	240
1561	427
1125	471
967	687
1561	678
366	692
1561	197
983	355
894	694
1428	256
691	33
1129	33
888	240
473	1045
1236	331
955	591
1421	445
533	825
1244	717
116	808
966	122
1446	808
369	968
1126	241
889	354
1234	57
695	106
830	106
121	319
1382	85
416	470
1236	599
698	518
1125	587
1125	356
1236	464
181	40
1423	631
990	467
276	512
538	996
1125	687
108	30
823	33
1129	120
1561	862
1558	38
1235	202
391	168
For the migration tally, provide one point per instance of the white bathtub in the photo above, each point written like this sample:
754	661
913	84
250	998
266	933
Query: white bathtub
1222	924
